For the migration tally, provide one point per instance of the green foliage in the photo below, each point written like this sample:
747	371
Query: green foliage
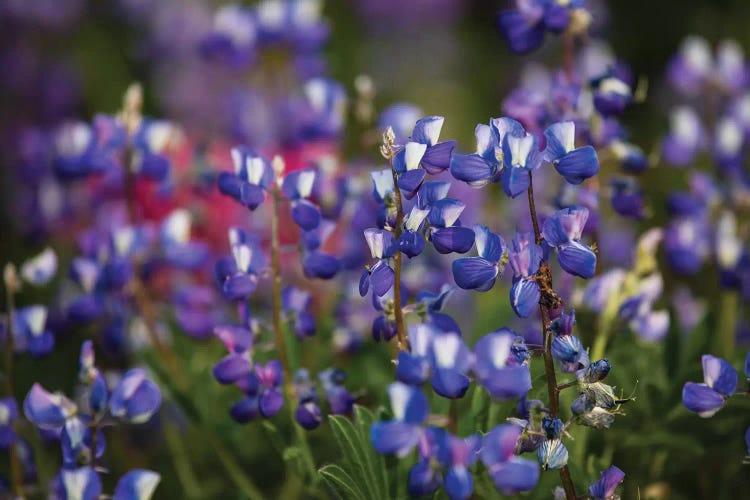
362	473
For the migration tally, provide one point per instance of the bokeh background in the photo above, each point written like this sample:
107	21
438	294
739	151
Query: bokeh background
73	58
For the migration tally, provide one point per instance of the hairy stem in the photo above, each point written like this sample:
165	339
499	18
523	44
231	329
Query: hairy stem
278	327
15	463
549	363
398	311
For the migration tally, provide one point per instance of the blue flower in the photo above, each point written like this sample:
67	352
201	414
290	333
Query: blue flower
90	304
47	410
464	452
175	239
76	440
479	273
297	187
574	164
8	415
77	484
41	268
413	366
294	303
252	176
380	276
627	197
562	231
239	273
524	258
685	139
421	155
605	487
520	157
137	484
446	236
410	411
263	396
486	164
136	398
340	400
720	382
501	364
233	37
30	331
451	361
238	363
510	473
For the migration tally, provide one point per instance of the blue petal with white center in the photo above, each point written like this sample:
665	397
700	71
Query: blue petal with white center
136	484
136	398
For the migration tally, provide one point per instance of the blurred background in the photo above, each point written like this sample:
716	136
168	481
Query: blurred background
63	59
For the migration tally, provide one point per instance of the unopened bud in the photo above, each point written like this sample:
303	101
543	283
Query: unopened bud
10	278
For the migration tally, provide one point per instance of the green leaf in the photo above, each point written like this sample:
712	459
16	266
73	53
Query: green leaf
361	460
341	482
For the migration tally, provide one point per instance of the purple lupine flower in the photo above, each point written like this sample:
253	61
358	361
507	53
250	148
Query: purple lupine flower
524	258
89	305
410	411
451	361
631	157
627	197
728	144
574	164
195	312
691	66
686	242
8	415
340	400
411	241
295	304
612	94
521	156
326	101
238	274
464	452
604	488
30	331
380	276
297	187
252	176
685	139
82	483
479	273
446	233
136	398
263	396
433	448
238	363
97	393
233	36
562	231
400	118
47	410
523	28
501	364
41	268
566	347
179	250
413	366
511	474
136	484
639	312
486	164
76	440
308	413
422	154
720	382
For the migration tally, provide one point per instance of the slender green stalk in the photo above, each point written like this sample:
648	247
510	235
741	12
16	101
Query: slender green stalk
185	474
11	282
545	278
388	150
729	307
278	327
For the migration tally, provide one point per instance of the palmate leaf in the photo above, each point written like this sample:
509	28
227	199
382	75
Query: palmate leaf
362	471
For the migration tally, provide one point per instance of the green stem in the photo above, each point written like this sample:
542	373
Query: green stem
15	463
549	363
185	474
728	323
398	311
278	327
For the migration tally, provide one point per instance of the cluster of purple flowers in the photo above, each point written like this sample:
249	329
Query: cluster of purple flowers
78	426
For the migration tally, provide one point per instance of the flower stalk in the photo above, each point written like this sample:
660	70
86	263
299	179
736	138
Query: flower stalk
388	150
10	277
545	276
